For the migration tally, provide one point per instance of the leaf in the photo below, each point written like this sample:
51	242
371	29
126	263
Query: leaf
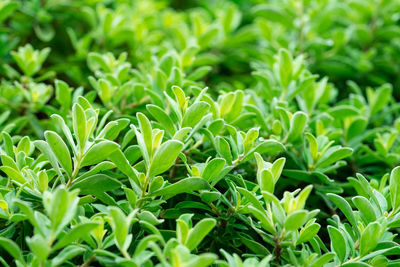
370	238
162	117
147	134
297	125
285	67
380	99
344	207
60	150
336	155
308	233
324	259
12	248
266	181
6	9
66	254
251	198
262	217
99	152
195	113
14	175
224	149
295	220
365	207
213	168
186	185
338	243
97	183
63	94
165	157
78	232
197	233
119	159
394	188
120	227
79	125
343	111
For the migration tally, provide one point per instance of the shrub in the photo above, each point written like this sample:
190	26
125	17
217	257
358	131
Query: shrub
198	133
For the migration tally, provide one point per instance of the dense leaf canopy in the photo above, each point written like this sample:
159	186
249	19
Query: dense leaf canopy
199	133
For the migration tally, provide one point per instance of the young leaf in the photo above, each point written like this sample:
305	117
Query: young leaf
60	150
197	233
338	243
183	186
165	157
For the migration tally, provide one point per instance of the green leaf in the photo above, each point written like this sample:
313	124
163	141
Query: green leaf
285	67
213	168
370	238
394	188
97	183
344	207
99	152
162	118
67	253
6	9
147	134
60	150
224	149
119	159
63	94
165	157
338	243
324	259
297	125
295	220
266	181
15	175
79	125
308	233
195	113
78	232
343	111
264	220
337	154
186	185
120	227
38	246
12	248
197	233
365	207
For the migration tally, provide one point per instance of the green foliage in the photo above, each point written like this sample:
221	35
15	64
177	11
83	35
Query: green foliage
199	133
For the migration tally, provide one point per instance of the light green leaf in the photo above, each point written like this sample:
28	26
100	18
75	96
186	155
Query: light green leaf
195	113
308	233
297	125
97	183
370	238
99	152
199	232
213	168
60	150
12	248
338	243
344	207
295	220
165	157
394	188
186	185
78	232
79	125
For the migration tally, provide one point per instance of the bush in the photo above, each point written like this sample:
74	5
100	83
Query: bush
198	133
